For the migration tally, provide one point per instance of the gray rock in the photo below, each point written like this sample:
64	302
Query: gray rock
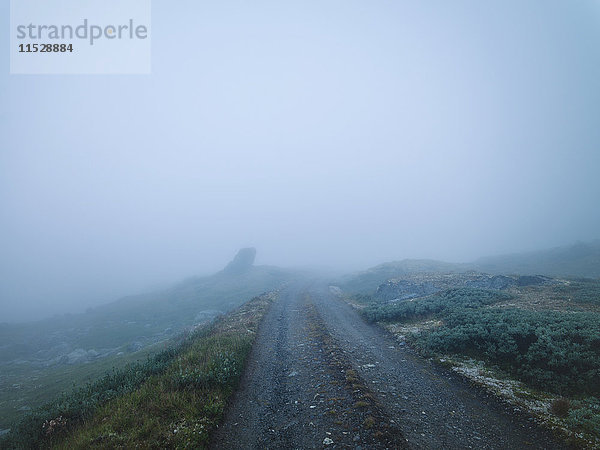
533	280
77	356
404	289
242	262
207	314
497	282
135	346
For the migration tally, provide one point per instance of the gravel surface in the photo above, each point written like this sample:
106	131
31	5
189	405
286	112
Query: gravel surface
320	377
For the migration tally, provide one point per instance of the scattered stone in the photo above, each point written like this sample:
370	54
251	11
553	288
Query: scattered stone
327	441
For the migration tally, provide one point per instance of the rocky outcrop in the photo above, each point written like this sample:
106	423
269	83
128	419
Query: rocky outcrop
420	285
242	262
207	315
497	282
534	280
404	289
79	356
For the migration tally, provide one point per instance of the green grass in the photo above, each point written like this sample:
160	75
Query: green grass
115	326
173	399
24	386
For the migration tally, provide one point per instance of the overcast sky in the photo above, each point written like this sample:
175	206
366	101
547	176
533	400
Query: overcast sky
332	133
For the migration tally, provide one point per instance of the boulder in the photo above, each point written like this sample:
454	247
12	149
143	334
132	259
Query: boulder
242	262
485	281
135	346
206	315
404	289
533	280
77	356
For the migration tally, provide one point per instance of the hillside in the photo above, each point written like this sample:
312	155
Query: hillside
134	322
42	359
173	399
368	280
578	260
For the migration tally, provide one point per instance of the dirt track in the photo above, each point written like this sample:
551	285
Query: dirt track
321	377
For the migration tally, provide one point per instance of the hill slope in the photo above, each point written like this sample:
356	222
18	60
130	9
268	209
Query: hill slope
42	359
370	279
579	260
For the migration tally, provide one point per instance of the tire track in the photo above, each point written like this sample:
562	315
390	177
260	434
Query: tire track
300	391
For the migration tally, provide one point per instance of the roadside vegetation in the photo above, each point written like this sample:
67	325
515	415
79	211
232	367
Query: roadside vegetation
551	350
41	360
555	353
449	300
173	399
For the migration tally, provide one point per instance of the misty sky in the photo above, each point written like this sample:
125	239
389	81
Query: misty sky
331	133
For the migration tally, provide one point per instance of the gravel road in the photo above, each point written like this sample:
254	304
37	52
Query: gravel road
320	377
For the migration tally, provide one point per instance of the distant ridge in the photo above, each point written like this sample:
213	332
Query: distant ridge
137	321
370	279
581	259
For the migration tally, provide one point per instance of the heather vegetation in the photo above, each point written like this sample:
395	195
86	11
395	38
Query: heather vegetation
554	350
551	350
445	301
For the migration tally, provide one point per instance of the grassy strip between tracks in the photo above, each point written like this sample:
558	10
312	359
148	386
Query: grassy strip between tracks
365	414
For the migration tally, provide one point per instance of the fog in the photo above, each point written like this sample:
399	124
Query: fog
334	134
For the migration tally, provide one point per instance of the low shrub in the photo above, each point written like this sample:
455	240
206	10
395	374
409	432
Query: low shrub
556	351
585	416
437	303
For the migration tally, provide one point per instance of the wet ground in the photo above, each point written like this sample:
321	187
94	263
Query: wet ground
319	376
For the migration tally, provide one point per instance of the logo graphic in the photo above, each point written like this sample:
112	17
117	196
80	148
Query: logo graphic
80	36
